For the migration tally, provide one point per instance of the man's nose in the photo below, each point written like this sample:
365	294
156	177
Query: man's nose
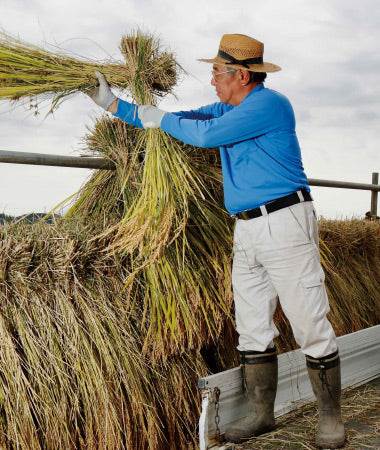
213	82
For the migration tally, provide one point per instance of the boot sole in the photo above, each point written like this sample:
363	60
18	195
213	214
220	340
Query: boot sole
238	439
331	445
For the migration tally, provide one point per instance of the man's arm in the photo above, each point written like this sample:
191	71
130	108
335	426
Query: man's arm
151	116
246	121
147	116
206	112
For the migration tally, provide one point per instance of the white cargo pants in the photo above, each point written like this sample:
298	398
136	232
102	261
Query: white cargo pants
277	255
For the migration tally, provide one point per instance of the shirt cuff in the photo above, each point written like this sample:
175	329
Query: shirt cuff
128	112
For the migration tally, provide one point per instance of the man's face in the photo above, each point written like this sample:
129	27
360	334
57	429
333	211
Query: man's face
226	85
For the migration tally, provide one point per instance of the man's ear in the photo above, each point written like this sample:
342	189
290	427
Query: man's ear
245	77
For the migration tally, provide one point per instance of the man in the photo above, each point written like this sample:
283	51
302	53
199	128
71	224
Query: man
275	239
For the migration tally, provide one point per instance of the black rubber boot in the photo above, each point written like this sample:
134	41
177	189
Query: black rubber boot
260	373
325	380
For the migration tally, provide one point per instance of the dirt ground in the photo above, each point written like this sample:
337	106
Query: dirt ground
296	430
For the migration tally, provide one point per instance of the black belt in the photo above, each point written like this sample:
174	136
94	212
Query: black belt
297	197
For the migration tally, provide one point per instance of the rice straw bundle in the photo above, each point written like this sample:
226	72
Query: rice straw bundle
169	219
34	73
182	270
74	372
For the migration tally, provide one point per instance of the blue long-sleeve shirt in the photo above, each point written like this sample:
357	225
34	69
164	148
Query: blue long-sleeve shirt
260	154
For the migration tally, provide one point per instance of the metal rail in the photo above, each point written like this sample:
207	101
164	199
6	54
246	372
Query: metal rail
374	188
43	159
343	184
105	164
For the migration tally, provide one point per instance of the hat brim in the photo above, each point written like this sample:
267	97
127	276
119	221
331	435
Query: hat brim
264	67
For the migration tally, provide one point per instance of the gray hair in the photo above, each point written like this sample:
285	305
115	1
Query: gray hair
255	77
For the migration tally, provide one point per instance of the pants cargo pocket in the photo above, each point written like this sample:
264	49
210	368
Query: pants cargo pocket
315	295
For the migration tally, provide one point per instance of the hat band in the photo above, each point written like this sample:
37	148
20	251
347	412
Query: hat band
242	62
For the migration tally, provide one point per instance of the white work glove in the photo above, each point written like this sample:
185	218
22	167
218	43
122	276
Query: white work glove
150	116
102	95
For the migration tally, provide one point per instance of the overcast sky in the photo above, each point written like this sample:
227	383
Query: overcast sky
328	50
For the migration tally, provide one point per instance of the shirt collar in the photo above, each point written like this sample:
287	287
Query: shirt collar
257	89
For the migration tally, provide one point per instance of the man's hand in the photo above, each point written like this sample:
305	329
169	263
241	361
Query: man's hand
150	116
102	95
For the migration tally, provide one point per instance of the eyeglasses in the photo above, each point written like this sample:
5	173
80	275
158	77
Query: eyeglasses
214	75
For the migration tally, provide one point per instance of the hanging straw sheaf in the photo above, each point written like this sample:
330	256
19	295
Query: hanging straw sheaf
185	273
74	373
153	71
156	185
354	281
72	370
172	225
34	73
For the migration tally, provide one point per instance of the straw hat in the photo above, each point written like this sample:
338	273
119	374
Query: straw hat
242	52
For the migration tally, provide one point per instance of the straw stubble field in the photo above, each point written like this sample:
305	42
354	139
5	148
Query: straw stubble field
110	315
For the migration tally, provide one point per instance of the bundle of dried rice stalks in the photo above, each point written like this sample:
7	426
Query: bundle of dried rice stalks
34	73
166	201
75	370
178	248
